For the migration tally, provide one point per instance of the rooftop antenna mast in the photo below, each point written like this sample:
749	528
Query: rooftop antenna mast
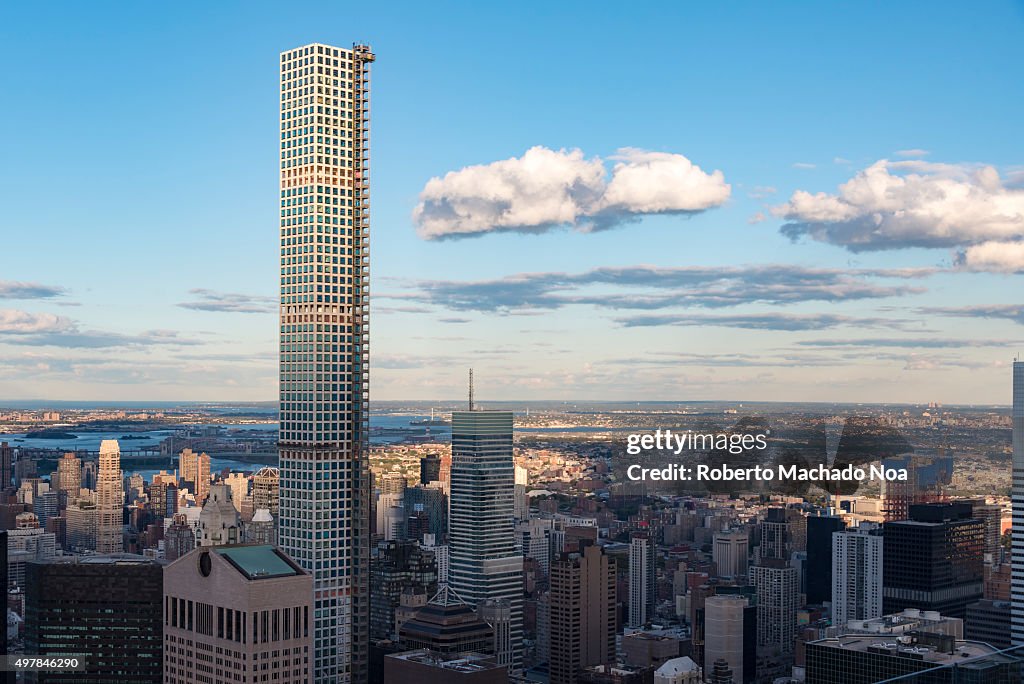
470	389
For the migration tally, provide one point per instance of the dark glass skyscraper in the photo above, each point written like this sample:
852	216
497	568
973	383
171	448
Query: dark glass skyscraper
430	468
483	562
107	609
934	561
819	557
6	465
324	344
399	566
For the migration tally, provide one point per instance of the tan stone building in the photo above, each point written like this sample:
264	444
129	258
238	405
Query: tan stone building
195	468
582	613
69	475
109	500
239	613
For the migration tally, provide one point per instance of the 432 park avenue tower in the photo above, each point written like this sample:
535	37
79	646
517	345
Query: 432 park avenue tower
324	345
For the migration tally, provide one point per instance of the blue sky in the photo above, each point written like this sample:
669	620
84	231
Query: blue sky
141	165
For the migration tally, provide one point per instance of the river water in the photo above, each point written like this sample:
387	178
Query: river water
384	429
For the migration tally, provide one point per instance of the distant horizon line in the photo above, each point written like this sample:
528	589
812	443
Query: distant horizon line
164	403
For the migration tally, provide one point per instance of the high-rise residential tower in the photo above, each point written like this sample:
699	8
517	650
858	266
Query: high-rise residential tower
188	465
641	580
109	499
775	535
239	484
324	344
778	594
195	468
1017	585
69	474
856	574
483	563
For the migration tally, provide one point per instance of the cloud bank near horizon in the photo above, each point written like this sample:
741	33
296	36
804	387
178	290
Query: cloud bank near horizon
644	287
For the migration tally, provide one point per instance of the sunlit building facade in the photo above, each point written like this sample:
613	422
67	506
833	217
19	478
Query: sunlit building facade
324	344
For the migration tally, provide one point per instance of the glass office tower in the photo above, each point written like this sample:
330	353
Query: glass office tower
483	563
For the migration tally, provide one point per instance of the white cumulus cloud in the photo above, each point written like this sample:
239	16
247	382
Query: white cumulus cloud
546	189
1000	257
892	205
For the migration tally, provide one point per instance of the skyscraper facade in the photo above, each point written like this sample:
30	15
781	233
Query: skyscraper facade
778	594
856	574
483	563
399	567
6	465
430	468
188	465
729	552
107	609
582	613
641	580
934	561
1017	557
109	499
730	634
250	604
8	677
239	484
819	557
775	535
324	344
69	474
447	625
265	489
195	468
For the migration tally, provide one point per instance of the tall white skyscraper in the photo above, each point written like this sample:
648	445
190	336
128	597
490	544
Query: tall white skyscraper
483	563
324	344
857	574
109	499
1017	582
641	580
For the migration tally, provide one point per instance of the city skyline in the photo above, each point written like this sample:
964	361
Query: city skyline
694	258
